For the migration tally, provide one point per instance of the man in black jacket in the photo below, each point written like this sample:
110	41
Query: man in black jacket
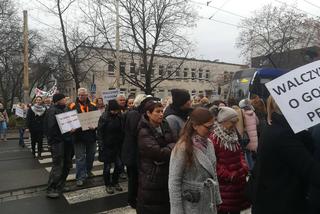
61	148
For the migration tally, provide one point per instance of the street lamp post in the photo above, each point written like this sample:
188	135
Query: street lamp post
25	58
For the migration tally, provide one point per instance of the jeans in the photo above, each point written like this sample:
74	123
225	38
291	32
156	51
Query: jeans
3	129
21	134
116	172
61	164
84	152
249	159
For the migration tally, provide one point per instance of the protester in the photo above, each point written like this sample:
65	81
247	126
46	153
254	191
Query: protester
84	141
261	112
130	103
4	120
129	148
21	124
47	102
232	168
60	148
284	169
121	99
100	105
35	125
250	122
177	113
110	138
193	183
204	102
155	142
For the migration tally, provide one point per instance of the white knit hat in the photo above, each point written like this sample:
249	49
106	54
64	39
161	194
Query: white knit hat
225	114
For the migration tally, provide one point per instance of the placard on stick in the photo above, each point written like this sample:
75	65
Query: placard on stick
110	95
297	93
20	112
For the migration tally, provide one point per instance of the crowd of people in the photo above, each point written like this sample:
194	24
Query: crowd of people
183	155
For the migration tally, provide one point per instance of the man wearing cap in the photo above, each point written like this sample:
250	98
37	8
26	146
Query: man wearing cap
60	147
177	113
84	141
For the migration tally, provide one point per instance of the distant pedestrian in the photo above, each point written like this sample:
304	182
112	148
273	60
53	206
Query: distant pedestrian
47	102
193	183
155	142
110	138
84	141
232	168
100	105
121	99
60	147
177	113
35	125
130	103
4	119
21	124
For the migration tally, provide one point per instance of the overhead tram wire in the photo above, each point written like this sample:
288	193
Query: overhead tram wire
311	4
43	23
224	3
218	9
222	22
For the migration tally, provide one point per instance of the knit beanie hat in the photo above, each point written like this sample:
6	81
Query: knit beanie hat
179	97
245	104
57	97
225	114
113	105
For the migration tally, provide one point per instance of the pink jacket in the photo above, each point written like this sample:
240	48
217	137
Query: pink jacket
251	121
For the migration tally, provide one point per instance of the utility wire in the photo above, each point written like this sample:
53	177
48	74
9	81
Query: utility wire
222	22
224	3
43	23
222	10
312	4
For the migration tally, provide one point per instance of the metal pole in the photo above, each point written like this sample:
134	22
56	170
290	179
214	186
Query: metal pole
25	58
117	45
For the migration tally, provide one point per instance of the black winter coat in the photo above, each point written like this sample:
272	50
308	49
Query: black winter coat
110	136
34	122
54	134
130	146
284	170
154	156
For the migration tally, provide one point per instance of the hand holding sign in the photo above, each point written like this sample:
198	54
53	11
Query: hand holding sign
68	121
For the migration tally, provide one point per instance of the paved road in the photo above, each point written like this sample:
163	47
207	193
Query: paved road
23	181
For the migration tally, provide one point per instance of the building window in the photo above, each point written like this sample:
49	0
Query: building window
142	72
161	70
207	74
132	68
178	72
193	74
185	73
111	67
200	73
122	68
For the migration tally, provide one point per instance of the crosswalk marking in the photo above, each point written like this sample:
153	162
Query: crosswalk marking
88	194
122	210
46	161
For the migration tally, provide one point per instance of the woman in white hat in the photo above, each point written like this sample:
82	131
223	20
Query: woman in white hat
232	168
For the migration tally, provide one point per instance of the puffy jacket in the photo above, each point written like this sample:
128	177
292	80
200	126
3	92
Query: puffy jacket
232	170
250	122
154	156
110	136
88	135
35	122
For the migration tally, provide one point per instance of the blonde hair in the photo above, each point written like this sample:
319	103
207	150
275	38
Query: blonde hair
82	90
272	107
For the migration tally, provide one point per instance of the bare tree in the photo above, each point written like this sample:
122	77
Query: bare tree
274	30
149	28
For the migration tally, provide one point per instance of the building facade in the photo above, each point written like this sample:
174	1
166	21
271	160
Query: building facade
197	76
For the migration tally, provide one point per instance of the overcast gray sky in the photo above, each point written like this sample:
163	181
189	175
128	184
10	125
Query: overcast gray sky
213	39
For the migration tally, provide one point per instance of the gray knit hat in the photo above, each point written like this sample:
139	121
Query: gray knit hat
225	114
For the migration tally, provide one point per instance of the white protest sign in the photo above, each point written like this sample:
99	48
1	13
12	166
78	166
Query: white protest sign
20	112
109	95
298	95
89	119
68	121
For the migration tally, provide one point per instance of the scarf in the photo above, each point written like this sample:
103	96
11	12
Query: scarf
227	138
38	109
200	142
